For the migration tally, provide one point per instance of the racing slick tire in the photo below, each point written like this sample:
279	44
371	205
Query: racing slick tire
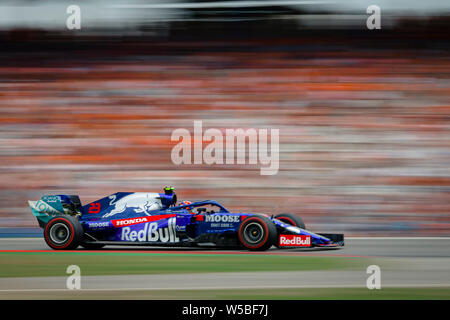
257	233
91	246
63	233
291	219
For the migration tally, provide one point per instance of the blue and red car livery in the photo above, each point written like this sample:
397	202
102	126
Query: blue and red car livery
154	219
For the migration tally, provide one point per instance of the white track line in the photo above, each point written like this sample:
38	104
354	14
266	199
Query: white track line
221	4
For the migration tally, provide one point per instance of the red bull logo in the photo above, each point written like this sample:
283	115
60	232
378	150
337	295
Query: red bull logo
292	240
150	232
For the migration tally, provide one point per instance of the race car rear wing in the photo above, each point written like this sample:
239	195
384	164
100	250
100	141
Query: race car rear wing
52	205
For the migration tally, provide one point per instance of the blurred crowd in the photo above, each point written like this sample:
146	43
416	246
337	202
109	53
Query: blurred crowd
364	131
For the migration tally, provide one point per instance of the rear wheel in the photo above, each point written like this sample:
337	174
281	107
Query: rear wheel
63	233
291	219
257	233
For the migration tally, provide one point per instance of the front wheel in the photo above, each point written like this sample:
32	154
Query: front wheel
291	219
257	233
63	233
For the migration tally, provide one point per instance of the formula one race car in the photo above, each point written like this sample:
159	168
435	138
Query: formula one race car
154	219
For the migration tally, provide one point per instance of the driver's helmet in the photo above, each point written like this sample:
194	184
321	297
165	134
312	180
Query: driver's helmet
169	190
185	202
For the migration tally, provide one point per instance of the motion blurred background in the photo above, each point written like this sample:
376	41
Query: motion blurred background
363	114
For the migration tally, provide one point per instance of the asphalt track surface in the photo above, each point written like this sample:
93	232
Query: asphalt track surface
425	262
233	280
438	247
